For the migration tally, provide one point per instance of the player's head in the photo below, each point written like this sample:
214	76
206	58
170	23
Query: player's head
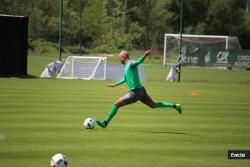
123	56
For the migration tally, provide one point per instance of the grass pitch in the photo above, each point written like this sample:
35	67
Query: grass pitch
41	117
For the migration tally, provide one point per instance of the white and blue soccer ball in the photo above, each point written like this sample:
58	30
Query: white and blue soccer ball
59	160
89	123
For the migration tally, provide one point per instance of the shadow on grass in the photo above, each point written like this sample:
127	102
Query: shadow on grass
19	76
160	132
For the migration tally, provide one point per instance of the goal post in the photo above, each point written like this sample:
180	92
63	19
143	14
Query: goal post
84	67
195	43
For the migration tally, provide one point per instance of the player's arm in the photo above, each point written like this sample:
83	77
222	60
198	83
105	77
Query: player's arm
141	59
123	80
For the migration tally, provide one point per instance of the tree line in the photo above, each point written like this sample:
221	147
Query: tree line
108	25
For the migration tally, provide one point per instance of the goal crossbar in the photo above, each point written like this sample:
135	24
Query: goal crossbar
199	36
84	67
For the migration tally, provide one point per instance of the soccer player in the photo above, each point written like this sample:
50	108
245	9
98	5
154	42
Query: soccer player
136	90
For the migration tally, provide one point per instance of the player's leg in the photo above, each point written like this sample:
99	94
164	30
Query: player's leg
114	108
149	102
130	97
119	103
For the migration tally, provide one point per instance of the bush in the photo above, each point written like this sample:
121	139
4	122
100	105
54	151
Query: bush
41	47
77	50
114	41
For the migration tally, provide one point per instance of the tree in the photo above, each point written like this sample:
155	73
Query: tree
111	25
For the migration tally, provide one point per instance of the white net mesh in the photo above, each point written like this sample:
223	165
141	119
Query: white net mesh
84	67
172	42
210	42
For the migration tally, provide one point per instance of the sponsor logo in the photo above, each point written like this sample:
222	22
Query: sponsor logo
207	58
242	61
222	57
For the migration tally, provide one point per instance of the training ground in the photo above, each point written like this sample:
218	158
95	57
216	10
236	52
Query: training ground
41	117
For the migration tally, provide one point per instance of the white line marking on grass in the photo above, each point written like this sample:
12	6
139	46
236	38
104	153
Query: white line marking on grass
2	136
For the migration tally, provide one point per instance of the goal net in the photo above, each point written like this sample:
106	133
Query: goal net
84	67
198	50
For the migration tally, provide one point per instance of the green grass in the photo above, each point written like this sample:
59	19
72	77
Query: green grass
41	117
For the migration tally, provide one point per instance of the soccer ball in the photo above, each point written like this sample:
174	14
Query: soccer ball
89	123
59	160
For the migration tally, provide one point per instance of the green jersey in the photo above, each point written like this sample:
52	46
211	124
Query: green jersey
131	74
